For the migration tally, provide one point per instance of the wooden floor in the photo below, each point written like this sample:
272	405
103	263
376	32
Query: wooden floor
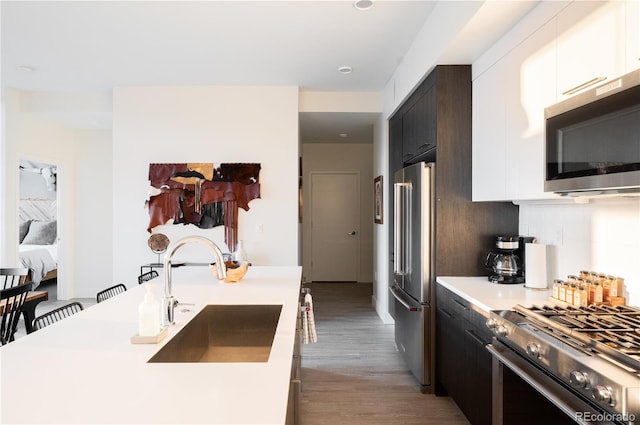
353	375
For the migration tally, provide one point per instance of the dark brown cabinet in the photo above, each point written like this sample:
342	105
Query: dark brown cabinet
434	125
464	366
438	113
419	124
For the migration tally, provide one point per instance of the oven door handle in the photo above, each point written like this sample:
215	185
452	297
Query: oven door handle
553	391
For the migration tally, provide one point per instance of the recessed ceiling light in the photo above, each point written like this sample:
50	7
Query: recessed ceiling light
345	70
363	4
26	69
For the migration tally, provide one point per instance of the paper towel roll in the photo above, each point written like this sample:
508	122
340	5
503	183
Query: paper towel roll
535	260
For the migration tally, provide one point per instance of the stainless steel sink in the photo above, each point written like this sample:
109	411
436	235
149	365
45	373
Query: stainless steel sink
224	333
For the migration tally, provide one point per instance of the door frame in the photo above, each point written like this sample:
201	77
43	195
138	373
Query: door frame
308	214
64	284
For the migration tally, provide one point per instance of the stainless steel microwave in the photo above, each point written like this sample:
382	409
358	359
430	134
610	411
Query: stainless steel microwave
592	140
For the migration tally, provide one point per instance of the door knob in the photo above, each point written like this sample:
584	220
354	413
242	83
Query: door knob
352	233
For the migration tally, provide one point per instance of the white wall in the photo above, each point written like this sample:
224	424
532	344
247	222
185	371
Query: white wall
602	236
380	231
206	124
346	157
93	212
28	135
444	24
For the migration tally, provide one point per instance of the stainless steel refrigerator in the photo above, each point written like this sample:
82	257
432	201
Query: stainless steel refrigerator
413	271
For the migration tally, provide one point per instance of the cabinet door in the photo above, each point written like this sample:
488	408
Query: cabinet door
489	154
447	351
395	146
590	44
479	377
633	35
419	125
529	87
449	343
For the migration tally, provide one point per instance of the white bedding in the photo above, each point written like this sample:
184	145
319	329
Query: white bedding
40	259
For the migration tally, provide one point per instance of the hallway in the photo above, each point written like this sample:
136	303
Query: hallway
353	375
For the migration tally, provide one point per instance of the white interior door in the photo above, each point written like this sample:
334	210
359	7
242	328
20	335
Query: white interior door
335	227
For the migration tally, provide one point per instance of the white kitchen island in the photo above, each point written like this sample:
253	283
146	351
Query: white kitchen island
84	368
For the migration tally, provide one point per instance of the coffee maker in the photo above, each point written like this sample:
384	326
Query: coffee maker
507	262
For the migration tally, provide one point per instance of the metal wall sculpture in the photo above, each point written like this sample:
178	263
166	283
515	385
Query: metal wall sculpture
203	194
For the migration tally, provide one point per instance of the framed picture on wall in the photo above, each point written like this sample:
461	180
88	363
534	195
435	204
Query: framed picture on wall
378	206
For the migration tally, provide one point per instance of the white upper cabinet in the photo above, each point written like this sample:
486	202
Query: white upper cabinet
508	120
633	35
489	154
531	87
591	45
582	42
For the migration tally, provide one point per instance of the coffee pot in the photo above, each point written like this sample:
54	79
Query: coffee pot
507	262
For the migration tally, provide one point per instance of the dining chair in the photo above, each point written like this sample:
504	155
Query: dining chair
110	292
56	315
11	303
144	277
10	277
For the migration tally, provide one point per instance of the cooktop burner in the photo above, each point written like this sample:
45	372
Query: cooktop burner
611	329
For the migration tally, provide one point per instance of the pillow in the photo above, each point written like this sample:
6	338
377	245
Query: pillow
41	233
23	229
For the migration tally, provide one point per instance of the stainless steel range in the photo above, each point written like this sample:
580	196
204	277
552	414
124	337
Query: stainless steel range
589	358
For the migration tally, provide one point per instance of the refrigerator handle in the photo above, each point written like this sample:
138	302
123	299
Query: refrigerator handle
398	243
402	225
406	265
409	305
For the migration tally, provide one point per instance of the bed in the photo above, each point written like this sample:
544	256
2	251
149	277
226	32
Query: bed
38	248
41	260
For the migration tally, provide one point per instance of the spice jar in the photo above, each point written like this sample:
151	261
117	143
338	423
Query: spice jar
598	296
568	293
562	291
606	288
557	283
580	298
615	289
585	274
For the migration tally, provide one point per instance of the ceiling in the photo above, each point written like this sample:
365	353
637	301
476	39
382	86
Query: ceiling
93	46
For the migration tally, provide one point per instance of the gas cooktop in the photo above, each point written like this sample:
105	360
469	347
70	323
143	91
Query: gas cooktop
593	350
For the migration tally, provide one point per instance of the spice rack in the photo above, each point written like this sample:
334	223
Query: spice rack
588	288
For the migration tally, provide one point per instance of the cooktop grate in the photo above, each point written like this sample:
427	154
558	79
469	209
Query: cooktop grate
613	330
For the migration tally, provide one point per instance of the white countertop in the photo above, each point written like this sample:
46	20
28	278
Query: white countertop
84	369
493	296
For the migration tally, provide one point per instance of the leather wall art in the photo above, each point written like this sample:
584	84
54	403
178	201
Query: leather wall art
203	194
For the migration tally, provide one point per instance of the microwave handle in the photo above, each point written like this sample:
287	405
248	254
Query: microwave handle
584	85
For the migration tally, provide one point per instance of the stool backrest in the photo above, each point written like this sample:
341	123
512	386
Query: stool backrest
110	292
12	277
11	304
56	315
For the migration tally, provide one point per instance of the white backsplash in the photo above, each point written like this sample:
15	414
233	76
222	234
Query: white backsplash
602	235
